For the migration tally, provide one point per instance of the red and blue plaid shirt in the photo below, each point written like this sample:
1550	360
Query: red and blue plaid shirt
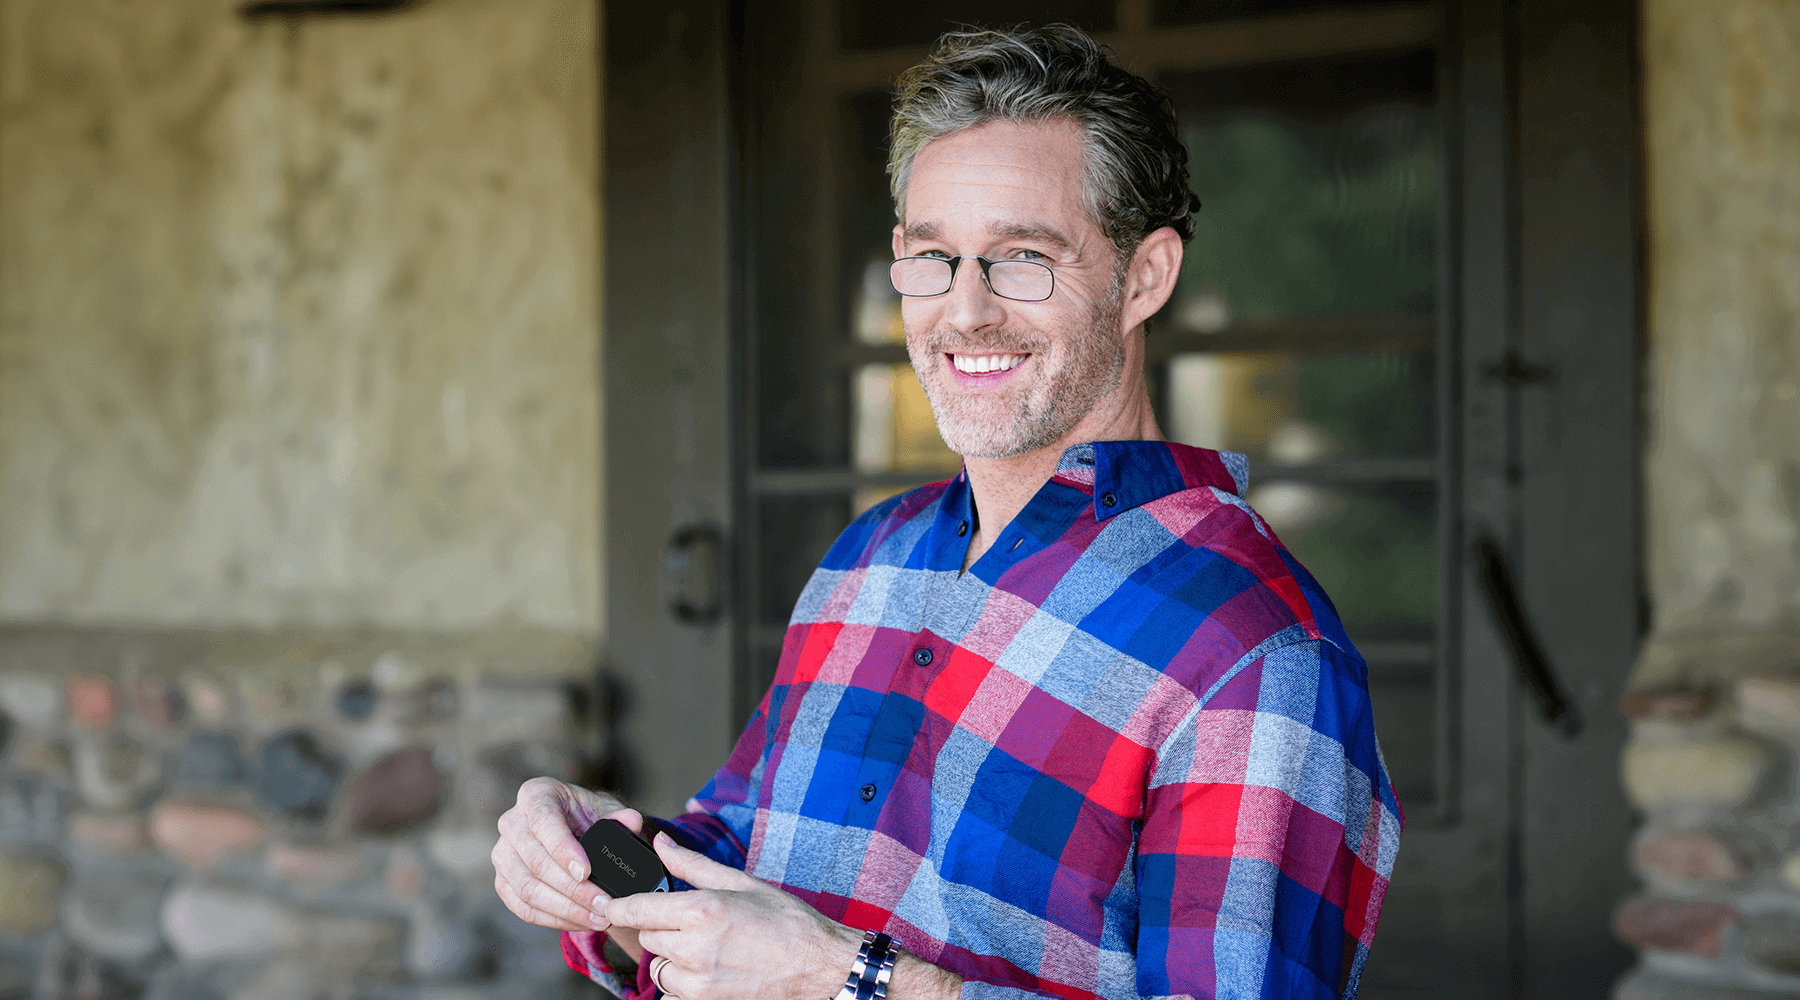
1129	753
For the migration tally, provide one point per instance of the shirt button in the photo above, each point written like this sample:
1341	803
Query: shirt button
868	792
962	529
922	657
1109	500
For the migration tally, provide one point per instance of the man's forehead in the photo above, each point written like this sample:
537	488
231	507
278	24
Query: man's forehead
1005	179
921	232
1052	149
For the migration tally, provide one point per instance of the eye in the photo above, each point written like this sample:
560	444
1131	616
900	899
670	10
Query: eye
938	254
1030	255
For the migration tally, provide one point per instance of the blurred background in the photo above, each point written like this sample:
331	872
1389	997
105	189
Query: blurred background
401	398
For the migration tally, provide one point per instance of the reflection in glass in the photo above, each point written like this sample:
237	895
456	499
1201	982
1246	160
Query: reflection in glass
873	447
877	306
1227	401
1406	717
1296	226
1292	409
913	27
895	429
1182	12
1292	508
793	534
869	496
1373	549
1320	186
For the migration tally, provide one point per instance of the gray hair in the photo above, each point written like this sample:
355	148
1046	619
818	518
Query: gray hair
1135	173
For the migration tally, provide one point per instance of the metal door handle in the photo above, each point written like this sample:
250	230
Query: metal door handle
693	565
1509	614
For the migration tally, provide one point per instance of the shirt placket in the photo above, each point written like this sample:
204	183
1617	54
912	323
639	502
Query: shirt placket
894	731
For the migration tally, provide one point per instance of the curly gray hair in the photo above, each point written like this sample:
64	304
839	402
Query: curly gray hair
1136	167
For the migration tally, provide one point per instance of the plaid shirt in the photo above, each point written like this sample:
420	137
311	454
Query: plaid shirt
1129	753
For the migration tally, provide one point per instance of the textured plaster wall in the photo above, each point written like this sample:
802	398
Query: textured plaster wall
1722	116
299	322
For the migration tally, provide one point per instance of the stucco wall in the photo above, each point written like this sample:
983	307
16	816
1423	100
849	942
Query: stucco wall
299	321
1722	116
1715	698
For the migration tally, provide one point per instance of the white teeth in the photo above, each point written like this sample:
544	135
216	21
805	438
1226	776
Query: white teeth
978	364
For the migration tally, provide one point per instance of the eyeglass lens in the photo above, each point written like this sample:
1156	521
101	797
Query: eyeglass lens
1023	280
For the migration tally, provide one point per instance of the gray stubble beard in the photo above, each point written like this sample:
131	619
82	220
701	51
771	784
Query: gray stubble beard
1096	353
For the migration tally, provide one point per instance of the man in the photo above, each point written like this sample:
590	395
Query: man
1071	724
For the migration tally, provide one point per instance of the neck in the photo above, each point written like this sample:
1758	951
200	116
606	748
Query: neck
1001	487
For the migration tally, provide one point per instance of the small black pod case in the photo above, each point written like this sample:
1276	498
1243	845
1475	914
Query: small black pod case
621	864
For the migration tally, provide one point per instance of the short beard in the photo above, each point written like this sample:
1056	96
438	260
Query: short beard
1038	414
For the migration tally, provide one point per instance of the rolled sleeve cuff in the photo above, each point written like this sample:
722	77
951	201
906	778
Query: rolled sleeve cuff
585	952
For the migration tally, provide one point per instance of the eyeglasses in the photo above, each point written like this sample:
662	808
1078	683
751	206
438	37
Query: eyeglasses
1020	280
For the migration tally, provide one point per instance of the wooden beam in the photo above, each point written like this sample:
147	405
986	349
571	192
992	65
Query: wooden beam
1311	35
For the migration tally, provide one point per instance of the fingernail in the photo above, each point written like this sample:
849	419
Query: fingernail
575	870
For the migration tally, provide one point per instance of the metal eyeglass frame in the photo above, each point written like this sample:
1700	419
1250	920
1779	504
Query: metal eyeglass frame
986	279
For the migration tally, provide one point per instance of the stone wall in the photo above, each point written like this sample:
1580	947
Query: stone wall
299	491
1715	699
275	817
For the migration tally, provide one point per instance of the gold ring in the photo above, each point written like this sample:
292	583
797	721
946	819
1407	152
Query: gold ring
656	971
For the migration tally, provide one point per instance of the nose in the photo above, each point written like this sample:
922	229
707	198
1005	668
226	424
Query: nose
970	305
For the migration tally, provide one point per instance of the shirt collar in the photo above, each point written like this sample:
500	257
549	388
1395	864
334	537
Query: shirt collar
1120	475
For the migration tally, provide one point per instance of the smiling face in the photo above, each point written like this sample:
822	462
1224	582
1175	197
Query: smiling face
1007	377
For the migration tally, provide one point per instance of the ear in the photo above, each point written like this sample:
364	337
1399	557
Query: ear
899	240
1151	278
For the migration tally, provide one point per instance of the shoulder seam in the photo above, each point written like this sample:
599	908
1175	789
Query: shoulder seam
1278	641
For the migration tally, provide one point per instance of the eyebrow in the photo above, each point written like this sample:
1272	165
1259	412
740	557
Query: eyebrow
1039	234
921	231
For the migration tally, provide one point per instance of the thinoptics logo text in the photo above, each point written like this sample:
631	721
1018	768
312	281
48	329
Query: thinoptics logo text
618	861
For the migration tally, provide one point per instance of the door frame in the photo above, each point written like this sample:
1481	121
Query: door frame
1546	268
669	284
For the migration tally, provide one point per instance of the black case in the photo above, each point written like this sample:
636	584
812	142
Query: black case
621	864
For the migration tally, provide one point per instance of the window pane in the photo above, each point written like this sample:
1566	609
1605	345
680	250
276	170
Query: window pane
866	214
1178	12
866	25
1284	408
1319	185
875	306
1406	715
1373	549
793	534
801	408
895	429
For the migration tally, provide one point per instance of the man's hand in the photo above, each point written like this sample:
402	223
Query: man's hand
540	870
734	935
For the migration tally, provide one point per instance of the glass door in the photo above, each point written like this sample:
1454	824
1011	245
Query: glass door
1315	328
1304	333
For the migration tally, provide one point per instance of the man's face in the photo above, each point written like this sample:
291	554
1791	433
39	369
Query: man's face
1007	377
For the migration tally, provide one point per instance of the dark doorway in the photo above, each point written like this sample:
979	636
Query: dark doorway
1412	302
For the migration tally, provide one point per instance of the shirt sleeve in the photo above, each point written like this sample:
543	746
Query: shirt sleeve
717	824
584	951
1269	834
